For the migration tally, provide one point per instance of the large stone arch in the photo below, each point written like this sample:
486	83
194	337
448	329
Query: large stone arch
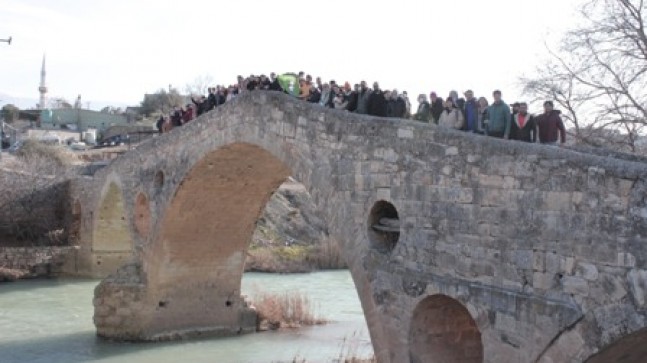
112	242
201	246
443	331
186	280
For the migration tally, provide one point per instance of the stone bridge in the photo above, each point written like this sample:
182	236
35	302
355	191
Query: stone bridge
462	248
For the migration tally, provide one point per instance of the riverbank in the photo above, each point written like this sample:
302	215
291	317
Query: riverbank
32	262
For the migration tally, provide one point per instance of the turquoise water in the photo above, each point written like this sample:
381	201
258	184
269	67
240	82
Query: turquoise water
51	321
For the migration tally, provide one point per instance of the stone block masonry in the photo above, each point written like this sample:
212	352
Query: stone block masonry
503	251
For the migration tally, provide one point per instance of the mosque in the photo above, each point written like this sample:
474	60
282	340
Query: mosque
72	118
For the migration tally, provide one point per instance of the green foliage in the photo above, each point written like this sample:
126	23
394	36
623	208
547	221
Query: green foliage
161	101
10	113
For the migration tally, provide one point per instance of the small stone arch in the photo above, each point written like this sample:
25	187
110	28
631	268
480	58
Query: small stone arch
142	215
443	331
111	232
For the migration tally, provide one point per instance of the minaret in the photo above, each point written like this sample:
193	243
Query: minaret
43	87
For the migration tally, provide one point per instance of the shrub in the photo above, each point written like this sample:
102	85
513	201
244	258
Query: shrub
33	151
289	310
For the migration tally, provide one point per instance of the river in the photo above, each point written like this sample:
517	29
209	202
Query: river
50	321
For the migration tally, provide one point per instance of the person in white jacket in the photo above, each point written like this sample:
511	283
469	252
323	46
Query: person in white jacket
451	117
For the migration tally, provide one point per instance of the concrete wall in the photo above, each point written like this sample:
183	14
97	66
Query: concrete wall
87	119
542	246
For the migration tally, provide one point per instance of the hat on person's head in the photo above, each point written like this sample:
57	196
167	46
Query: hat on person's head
433	94
468	91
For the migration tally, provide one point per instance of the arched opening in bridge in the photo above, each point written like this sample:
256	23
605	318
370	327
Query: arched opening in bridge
194	264
630	349
75	223
158	181
443	331
383	226
198	259
112	240
142	215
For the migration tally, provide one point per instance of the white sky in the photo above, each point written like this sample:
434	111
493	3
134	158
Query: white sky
117	50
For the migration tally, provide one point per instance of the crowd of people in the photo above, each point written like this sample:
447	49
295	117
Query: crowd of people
468	113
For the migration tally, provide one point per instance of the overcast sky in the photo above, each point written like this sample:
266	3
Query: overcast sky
117	50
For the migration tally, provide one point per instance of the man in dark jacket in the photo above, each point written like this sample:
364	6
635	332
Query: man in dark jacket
523	126
437	106
471	112
398	105
353	98
550	124
362	100
212	100
200	104
377	105
274	84
315	95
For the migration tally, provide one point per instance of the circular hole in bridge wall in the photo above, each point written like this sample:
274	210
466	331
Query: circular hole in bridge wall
159	180
383	226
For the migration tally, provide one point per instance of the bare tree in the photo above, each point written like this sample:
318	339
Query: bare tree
601	67
200	85
552	82
161	101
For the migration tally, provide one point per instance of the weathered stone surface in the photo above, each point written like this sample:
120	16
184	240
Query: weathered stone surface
638	286
30	262
530	238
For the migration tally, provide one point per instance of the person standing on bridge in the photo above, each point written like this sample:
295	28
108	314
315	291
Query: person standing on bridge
452	117
377	105
550	124
524	127
437	107
471	112
362	100
499	117
424	110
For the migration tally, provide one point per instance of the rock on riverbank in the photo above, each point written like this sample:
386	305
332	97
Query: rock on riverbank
291	237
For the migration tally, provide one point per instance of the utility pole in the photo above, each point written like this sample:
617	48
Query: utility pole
8	41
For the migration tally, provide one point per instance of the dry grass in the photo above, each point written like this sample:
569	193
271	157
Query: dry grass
33	151
287	310
327	256
296	258
351	350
